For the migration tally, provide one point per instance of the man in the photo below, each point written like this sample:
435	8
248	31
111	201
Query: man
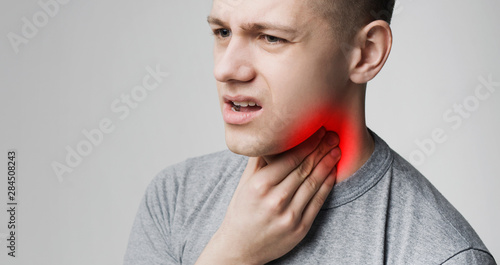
290	73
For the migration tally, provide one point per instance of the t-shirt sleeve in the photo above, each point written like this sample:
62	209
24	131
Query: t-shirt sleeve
150	235
471	257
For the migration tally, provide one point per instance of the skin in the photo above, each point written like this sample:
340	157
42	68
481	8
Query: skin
281	53
248	63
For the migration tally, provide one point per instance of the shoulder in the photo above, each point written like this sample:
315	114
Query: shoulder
178	197
205	166
175	196
428	221
188	184
471	256
197	171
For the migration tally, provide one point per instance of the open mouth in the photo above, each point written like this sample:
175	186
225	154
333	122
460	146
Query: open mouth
240	111
245	106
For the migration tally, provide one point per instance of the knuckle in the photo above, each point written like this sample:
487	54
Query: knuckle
279	201
302	229
275	204
289	221
318	199
259	188
294	161
282	197
305	168
311	183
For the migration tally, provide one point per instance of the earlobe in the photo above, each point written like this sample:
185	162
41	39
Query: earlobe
370	52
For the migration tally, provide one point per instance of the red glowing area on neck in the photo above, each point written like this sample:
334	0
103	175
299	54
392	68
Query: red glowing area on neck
336	121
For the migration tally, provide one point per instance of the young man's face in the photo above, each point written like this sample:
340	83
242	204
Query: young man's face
282	56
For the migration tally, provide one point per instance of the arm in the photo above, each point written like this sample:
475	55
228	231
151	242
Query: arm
148	243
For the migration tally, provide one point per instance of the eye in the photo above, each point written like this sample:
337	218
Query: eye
273	40
222	33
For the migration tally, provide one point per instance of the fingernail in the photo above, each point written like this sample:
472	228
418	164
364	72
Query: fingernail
335	153
331	140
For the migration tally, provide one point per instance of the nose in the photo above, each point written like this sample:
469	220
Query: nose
233	63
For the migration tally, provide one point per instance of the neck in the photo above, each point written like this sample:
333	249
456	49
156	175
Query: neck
356	145
356	142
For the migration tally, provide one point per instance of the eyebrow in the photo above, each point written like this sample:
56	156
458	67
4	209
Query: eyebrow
215	21
254	26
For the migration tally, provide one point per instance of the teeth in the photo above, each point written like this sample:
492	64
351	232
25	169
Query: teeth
245	104
241	104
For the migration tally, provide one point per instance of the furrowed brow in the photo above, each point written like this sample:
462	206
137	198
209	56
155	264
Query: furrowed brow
215	21
252	27
268	26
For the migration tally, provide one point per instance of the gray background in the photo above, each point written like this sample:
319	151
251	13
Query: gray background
65	78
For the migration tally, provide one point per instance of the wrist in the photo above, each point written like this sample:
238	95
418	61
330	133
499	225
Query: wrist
220	251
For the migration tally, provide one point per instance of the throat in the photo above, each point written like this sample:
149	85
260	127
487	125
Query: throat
356	148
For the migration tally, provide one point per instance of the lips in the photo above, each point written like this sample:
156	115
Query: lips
239	110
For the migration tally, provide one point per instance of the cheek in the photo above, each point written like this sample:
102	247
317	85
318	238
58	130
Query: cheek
303	108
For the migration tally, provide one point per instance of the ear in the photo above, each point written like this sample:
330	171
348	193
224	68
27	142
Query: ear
372	46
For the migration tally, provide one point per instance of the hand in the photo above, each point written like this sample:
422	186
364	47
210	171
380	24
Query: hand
275	203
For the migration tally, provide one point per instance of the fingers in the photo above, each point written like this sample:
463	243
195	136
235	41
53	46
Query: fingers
314	205
314	190
296	178
300	151
280	166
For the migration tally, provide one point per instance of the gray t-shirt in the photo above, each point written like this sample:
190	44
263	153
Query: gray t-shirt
385	213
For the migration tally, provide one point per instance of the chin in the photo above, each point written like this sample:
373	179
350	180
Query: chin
241	151
246	148
257	143
252	146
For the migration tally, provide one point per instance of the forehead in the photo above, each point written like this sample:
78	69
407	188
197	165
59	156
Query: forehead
290	12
